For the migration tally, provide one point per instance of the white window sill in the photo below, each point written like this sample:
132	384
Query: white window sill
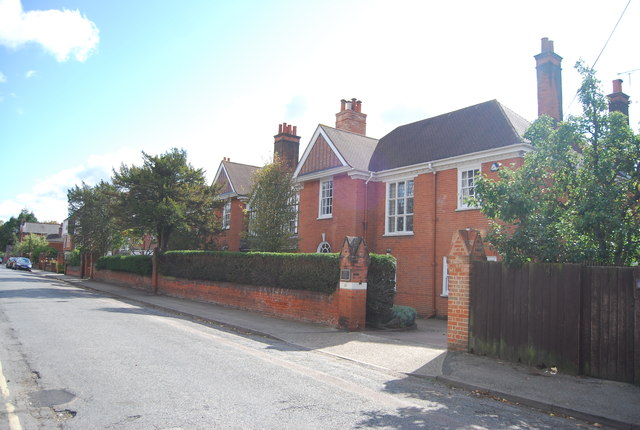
402	233
463	209
325	217
444	296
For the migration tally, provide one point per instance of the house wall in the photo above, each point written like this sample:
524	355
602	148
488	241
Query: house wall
347	219
419	256
229	239
419	274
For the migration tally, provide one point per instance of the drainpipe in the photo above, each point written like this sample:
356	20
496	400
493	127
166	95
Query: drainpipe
435	232
366	208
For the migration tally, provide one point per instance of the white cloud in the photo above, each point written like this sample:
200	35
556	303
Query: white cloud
30	74
3	78
64	33
47	199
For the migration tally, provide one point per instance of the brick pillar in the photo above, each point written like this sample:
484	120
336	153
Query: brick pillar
154	270
466	247
352	292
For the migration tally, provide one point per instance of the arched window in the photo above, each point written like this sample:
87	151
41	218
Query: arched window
324	247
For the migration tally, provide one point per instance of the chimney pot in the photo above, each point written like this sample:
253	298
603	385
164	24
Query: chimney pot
343	102
617	85
295	130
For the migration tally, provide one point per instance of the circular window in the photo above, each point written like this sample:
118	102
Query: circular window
324	247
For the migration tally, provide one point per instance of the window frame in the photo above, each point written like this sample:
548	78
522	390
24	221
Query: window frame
322	198
226	215
477	169
395	215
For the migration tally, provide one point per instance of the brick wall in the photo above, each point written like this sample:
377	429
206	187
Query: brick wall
347	219
229	239
282	303
124	279
72	270
466	246
345	308
420	256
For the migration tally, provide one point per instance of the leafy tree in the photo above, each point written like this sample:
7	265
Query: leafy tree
9	230
91	211
33	245
164	195
576	197
273	213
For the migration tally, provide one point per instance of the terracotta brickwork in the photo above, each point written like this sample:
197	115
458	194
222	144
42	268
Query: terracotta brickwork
230	238
466	246
347	218
124	279
72	270
282	303
436	217
354	265
345	308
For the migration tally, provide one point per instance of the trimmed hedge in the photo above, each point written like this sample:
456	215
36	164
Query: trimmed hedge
310	272
381	289
137	264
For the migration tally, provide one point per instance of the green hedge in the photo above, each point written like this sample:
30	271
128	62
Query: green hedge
137	264
310	272
381	289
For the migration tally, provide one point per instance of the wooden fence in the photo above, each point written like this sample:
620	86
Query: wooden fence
580	319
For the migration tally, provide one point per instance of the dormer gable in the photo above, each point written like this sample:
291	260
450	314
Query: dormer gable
333	151
235	179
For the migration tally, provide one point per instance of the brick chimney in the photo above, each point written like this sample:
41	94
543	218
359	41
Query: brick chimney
286	145
618	101
549	75
351	118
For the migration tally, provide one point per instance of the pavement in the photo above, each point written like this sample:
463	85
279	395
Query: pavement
420	352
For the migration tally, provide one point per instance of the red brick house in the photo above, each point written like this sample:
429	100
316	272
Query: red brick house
406	193
236	182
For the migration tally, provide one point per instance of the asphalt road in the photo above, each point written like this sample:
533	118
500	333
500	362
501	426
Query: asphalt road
71	358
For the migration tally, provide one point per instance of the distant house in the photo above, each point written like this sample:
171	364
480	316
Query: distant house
236	183
52	232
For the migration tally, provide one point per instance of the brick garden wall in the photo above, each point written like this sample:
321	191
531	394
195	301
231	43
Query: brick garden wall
282	303
345	308
124	279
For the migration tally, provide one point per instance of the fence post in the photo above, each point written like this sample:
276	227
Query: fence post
466	247
352	292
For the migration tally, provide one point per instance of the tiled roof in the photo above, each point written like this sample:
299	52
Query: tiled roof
355	148
40	228
475	128
241	176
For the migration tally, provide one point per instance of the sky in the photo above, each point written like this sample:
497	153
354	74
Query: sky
86	86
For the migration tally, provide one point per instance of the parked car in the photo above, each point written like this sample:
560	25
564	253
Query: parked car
22	263
10	262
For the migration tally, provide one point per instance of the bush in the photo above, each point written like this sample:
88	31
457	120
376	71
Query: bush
381	289
136	264
73	258
310	272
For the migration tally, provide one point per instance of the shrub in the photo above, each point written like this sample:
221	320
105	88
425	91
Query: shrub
137	264
311	272
381	289
73	258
